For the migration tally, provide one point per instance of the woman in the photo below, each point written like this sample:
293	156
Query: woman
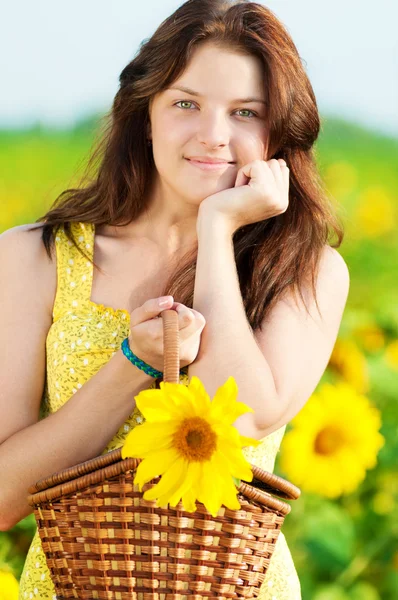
207	193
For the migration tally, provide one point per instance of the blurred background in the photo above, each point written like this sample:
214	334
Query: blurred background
59	68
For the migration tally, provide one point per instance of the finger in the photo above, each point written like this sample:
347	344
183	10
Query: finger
149	310
251	172
199	317
185	316
196	313
275	167
197	324
285	173
241	178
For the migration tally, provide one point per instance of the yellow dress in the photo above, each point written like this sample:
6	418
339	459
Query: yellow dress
82	338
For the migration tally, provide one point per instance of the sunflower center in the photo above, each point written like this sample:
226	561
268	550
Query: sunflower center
195	440
328	440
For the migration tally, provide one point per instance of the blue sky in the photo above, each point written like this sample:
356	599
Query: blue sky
60	61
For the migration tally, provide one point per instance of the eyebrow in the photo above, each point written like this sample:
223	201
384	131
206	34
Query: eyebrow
239	100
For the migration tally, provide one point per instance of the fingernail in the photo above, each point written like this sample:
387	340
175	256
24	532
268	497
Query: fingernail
165	300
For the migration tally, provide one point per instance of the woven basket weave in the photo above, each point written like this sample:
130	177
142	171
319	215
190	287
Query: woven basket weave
103	541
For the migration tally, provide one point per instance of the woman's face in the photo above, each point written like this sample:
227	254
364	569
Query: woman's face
212	120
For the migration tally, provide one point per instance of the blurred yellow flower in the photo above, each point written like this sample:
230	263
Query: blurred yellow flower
190	441
334	440
375	213
391	354
341	178
370	337
9	586
350	364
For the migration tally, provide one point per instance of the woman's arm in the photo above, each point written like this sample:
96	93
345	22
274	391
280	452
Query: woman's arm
31	449
278	367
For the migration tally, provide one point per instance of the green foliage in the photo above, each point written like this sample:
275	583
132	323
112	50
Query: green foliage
329	533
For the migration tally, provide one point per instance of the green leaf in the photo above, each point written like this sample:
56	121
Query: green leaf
331	592
329	534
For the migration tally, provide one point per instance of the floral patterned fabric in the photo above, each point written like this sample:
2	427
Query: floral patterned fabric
82	338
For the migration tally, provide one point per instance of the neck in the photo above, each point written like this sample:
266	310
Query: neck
169	221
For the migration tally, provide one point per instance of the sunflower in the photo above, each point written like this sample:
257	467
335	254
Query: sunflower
375	214
9	586
348	362
370	337
191	442
334	439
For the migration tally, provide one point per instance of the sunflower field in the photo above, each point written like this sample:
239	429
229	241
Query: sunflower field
342	448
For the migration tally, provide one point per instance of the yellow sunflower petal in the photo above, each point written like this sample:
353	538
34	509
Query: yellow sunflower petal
230	495
155	464
225	395
209	492
156	406
238	466
221	475
181	396
144	438
217	487
227	433
202	398
229	444
169	482
188	500
247	441
225	406
189	483
230	414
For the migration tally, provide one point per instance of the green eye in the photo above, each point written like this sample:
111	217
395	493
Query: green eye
250	116
248	111
183	102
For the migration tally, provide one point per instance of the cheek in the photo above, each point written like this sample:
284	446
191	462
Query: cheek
174	132
167	146
249	148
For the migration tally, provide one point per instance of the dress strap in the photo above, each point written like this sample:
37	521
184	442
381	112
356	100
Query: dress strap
74	271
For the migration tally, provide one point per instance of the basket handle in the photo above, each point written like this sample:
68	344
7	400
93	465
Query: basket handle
171	346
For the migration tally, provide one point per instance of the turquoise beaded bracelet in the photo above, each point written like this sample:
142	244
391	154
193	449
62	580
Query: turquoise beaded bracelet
140	363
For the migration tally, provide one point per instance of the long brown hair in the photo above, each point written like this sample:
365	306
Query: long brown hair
272	256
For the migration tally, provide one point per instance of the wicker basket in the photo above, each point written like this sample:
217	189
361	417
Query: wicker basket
102	540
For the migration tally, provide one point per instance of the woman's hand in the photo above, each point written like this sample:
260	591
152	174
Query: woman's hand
146	332
261	191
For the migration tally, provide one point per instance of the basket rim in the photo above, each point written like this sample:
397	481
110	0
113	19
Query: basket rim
102	476
263	480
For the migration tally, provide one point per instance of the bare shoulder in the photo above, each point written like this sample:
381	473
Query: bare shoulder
333	275
20	236
297	344
332	284
23	256
334	264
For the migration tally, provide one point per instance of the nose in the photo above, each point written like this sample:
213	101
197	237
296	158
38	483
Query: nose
213	130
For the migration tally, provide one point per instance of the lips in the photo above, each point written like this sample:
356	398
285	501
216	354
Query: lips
208	160
210	166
